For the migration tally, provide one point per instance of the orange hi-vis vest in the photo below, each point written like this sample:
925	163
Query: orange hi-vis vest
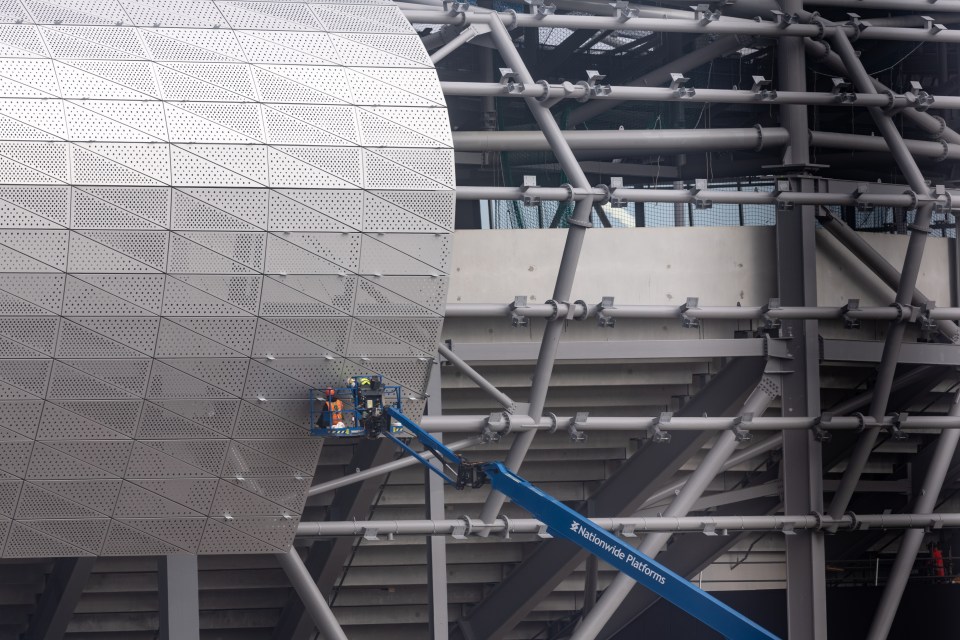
336	411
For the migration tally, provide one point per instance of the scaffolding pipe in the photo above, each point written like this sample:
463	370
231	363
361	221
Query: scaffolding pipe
944	6
384	469
648	141
625	93
699	198
581	311
490	389
667	422
613	596
908	275
578	223
762	28
905	288
628	527
313	601
465	36
910	543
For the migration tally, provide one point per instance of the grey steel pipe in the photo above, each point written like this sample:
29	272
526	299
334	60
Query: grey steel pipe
648	140
465	36
627	527
614	595
384	469
922	148
626	194
620	94
578	223
889	5
313	601
908	275
723	26
490	389
910	543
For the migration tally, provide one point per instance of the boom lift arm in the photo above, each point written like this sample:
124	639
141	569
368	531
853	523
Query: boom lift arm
561	520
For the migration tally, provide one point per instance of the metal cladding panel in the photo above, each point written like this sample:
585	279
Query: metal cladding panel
207	208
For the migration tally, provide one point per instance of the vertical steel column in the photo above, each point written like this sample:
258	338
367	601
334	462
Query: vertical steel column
179	597
706	471
313	601
678	207
908	275
61	593
436	545
912	538
800	396
579	222
792	69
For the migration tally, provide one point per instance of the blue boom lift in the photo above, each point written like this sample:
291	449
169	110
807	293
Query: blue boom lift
374	410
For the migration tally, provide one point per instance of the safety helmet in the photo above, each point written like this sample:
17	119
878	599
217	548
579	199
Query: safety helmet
364	382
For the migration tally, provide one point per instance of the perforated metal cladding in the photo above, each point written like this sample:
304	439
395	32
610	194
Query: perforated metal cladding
206	209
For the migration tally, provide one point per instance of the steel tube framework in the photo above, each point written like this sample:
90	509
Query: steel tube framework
628	526
313	600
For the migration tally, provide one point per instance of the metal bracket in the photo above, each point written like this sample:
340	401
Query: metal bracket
603	320
781	187
497	419
856	23
677	82
741	434
655	433
593	86
575	434
542	532
928	326
784	20
788	529
529	182
616	183
710	529
510	79
819	433
455	8
688	321
858	193
850	322
624	10
944	201
843	90
931	26
701	184
541	9
770	323
705	14
518	320
369	533
760	89
628	531
923	98
896	433
506	526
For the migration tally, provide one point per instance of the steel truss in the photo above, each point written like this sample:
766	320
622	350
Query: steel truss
798	34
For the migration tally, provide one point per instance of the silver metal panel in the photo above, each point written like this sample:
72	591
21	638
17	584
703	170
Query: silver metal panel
207	209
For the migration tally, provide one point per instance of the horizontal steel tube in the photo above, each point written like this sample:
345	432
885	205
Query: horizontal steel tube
853	142
685	524
680	195
475	424
671	25
666	94
676	140
666	312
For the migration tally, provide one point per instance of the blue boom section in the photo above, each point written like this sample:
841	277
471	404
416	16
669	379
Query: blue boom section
564	522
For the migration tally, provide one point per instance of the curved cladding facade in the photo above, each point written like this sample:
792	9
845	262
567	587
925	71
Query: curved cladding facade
206	208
